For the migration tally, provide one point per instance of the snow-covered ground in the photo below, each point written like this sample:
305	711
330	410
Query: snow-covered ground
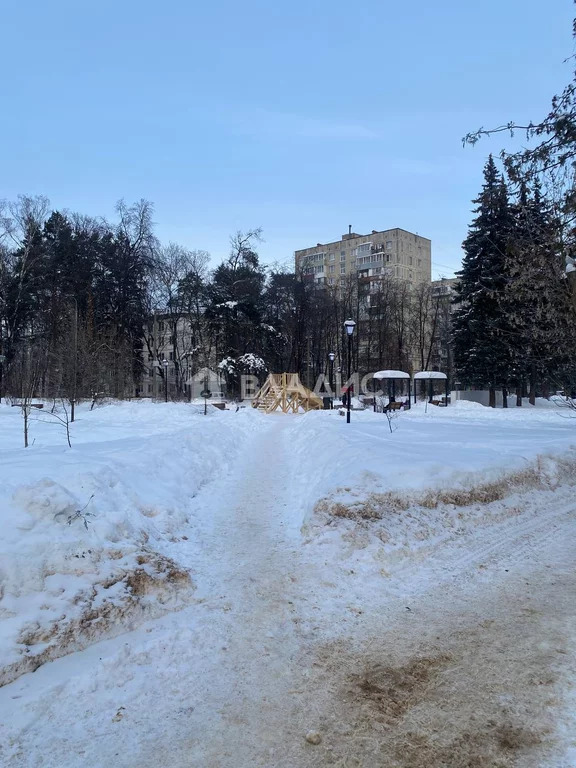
242	580
88	532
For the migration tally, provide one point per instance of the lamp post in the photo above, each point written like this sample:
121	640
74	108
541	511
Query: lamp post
349	325
331	357
165	366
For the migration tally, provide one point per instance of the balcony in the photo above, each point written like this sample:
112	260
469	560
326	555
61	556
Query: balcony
371	261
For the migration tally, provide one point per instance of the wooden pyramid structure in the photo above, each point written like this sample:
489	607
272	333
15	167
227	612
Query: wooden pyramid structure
286	392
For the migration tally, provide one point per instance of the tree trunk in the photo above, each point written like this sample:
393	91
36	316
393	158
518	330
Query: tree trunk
533	385
518	397
492	397
504	397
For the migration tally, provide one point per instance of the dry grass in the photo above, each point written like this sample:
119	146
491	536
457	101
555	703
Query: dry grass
392	691
491	746
154	575
373	507
381	506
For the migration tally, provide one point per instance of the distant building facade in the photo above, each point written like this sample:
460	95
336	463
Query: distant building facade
443	291
390	252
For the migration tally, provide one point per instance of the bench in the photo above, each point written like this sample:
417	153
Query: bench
30	405
393	407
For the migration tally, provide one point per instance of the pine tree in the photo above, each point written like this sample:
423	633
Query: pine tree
235	298
537	297
482	352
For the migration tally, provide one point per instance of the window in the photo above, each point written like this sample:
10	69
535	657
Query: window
419	262
388	245
331	257
331	269
342	255
331	281
149	389
343	269
171	356
387	257
410	260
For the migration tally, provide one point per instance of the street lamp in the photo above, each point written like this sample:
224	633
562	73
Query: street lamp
349	325
331	357
165	366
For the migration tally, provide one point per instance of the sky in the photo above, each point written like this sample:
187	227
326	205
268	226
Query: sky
297	117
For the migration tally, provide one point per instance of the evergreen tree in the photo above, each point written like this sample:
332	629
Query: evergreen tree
235	298
537	297
482	352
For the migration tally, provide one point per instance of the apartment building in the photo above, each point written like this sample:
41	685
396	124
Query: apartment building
390	252
444	288
443	292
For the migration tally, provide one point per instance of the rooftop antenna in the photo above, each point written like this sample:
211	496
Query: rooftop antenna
349	229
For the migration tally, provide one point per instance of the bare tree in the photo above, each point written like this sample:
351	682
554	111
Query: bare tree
176	290
425	314
26	375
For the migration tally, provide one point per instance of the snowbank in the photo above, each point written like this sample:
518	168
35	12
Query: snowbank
429	448
89	534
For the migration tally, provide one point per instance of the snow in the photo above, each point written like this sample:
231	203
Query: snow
323	564
251	362
429	375
430	447
129	470
391	374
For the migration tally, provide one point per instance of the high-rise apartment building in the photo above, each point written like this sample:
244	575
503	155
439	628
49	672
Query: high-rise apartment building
390	252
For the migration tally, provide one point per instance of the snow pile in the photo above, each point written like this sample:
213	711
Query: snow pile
429	448
89	543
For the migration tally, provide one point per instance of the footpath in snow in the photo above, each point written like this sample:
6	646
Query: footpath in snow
316	602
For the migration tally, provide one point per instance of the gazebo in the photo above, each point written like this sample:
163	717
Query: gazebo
394	376
431	377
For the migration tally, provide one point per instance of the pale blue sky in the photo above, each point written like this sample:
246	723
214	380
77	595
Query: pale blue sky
299	117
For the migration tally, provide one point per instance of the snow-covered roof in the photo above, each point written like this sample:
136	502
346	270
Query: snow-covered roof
391	375
430	375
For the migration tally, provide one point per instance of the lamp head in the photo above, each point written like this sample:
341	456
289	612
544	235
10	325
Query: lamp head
331	356
349	325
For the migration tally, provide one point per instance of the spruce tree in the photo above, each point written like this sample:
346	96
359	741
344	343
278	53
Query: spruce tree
537	296
482	351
